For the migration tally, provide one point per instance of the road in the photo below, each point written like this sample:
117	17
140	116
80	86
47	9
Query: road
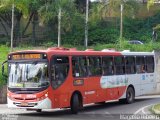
112	111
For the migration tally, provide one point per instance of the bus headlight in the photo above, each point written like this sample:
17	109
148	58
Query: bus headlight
46	95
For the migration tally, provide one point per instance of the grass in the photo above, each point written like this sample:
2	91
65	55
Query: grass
157	107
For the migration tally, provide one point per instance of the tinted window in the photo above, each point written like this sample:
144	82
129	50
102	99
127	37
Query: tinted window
107	66
149	64
140	64
94	66
59	70
119	65
79	66
130	65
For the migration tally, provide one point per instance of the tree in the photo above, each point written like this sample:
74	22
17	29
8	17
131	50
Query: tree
111	8
150	3
5	16
49	14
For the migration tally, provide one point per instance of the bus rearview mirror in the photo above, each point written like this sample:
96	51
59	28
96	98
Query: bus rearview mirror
3	68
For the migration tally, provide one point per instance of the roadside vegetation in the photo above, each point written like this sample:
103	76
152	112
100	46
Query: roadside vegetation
156	109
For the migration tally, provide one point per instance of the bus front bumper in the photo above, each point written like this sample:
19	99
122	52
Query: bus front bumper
43	104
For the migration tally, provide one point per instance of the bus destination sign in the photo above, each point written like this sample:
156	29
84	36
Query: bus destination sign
25	56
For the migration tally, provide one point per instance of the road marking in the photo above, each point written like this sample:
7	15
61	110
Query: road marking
142	109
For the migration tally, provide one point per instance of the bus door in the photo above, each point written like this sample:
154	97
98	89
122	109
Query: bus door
59	75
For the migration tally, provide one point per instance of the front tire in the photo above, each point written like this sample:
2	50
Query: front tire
75	104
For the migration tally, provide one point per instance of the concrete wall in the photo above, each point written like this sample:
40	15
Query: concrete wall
3	94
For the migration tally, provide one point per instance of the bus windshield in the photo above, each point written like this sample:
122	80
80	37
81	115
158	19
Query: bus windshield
28	75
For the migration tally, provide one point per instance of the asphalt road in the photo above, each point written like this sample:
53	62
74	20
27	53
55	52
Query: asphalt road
108	111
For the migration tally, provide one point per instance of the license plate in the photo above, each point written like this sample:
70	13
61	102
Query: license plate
24	104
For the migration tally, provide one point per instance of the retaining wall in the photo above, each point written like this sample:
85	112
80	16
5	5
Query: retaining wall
3	94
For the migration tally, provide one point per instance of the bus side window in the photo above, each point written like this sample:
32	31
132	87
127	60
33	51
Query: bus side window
94	66
107	66
119	65
130	65
79	66
149	64
140	64
59	70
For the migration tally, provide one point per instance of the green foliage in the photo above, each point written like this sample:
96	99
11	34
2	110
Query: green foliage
3	51
157	107
103	35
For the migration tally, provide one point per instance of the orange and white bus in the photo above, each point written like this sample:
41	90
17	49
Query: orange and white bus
68	78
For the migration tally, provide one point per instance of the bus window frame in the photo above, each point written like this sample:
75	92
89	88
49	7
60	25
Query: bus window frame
100	56
50	66
153	64
82	56
113	65
133	64
141	66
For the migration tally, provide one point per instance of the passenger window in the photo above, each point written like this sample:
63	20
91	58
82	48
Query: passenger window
140	64
149	64
119	65
79	66
107	66
59	70
130	65
94	66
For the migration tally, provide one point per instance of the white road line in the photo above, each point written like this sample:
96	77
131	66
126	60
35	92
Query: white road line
142	109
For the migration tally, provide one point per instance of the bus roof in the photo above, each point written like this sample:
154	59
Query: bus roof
74	51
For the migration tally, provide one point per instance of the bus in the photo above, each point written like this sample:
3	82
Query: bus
68	78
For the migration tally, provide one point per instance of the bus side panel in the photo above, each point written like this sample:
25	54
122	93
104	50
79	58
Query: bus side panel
102	95
112	93
91	89
121	91
64	100
148	83
114	85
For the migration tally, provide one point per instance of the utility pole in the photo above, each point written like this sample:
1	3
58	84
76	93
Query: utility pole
121	25
86	24
59	27
12	28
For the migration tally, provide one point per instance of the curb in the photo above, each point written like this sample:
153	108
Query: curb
155	111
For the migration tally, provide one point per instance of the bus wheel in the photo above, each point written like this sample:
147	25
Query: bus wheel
39	110
130	95
75	104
